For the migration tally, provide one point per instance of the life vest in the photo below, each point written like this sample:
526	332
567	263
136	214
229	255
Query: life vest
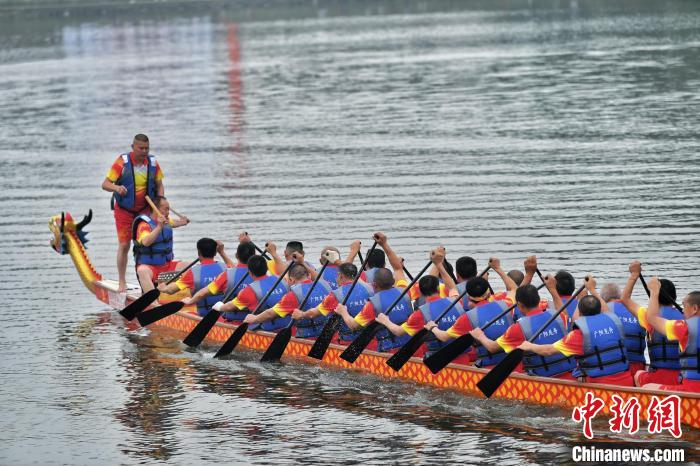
128	180
311	328
381	301
330	275
369	276
232	276
635	335
158	253
465	300
545	366
604	350
479	317
690	358
202	276
431	311
663	354
356	302
260	288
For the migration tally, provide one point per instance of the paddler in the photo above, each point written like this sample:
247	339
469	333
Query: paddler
685	332
635	334
222	284
597	341
664	367
202	274
278	316
484	307
387	288
356	301
132	176
533	316
153	244
293	249
434	305
248	298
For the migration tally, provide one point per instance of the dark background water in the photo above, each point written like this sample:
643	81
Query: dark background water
564	129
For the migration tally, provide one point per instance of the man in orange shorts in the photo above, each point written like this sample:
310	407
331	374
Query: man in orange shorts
132	176
684	331
153	244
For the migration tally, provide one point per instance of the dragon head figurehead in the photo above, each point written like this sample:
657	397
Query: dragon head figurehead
63	225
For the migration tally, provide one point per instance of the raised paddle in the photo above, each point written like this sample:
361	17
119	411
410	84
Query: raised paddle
496	376
130	311
262	253
663	292
279	343
160	312
404	353
236	336
324	339
445	355
202	329
353	351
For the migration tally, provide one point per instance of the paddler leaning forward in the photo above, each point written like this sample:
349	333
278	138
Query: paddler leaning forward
484	308
597	341
434	305
388	287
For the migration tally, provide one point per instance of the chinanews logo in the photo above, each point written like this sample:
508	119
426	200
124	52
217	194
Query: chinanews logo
662	415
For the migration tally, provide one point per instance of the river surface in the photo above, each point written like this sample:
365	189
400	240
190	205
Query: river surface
563	129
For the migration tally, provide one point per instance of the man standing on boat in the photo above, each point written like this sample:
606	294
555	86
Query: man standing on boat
133	175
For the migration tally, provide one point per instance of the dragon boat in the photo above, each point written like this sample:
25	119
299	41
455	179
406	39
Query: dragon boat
68	237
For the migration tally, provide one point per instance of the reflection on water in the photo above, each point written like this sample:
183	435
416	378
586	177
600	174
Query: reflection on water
564	129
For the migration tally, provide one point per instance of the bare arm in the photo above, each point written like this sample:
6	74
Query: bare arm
352	251
392	327
495	264
264	316
635	269
113	188
488	343
227	260
342	311
530	266
591	287
151	237
169	289
542	350
551	284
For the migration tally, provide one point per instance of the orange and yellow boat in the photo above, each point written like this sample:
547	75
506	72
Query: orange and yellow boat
69	238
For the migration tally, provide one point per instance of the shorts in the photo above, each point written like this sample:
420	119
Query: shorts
124	221
686	385
157	269
660	376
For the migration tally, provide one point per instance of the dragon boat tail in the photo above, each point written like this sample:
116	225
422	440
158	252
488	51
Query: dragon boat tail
69	238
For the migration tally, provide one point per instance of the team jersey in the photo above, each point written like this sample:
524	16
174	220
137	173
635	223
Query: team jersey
186	280
140	178
514	336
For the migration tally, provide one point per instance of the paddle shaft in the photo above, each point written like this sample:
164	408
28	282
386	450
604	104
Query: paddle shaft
459	298
663	292
272	289
359	272
179	273
554	316
313	285
506	311
408	288
176	212
262	253
235	287
153	206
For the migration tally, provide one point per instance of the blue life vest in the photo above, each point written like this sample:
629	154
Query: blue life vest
330	275
663	354
690	358
202	276
356	302
604	350
158	253
381	301
545	366
635	335
465	300
232	276
482	315
260	288
432	311
369	276
311	328
128	180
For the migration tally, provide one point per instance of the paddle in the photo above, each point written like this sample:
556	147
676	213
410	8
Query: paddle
160	312
495	377
262	252
209	320
236	336
279	344
646	288
324	339
445	355
404	353
143	301
353	351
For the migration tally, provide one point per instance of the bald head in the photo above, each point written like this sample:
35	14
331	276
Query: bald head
610	291
383	279
517	276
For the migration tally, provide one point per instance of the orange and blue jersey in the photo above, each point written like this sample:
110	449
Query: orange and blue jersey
662	353
139	182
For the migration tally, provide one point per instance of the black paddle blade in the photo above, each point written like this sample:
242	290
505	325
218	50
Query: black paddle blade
402	356
160	312
491	381
200	331
232	341
130	311
445	355
358	345
279	344
324	339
